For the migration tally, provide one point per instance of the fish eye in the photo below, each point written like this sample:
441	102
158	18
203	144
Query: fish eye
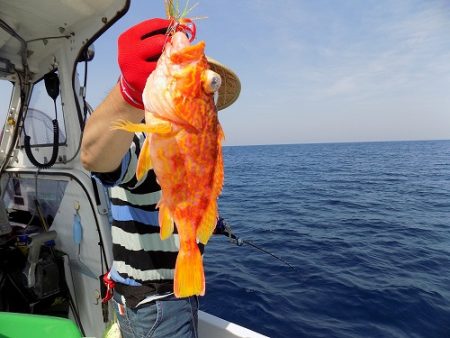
212	82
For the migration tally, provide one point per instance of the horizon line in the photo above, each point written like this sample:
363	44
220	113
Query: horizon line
333	142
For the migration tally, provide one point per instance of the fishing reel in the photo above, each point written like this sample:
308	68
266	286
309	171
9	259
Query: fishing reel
223	228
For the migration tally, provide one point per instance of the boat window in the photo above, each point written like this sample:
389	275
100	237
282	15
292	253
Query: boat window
6	88
39	117
20	198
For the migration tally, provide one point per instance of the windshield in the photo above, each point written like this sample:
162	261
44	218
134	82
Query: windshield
20	196
40	114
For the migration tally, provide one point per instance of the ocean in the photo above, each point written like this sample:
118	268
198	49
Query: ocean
365	226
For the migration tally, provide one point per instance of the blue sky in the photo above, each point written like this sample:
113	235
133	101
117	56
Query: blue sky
317	71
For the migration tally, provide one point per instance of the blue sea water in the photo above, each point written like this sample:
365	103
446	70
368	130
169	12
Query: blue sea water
366	226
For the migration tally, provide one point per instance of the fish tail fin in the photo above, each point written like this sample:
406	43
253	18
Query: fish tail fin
165	221
144	162
189	277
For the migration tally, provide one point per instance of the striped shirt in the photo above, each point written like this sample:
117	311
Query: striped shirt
139	255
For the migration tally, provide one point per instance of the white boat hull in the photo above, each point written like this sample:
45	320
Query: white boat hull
211	326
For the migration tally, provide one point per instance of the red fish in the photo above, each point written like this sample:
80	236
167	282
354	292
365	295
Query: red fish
184	147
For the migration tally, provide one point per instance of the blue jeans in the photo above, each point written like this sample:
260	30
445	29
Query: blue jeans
170	317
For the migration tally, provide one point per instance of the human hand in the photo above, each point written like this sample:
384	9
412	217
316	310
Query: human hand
139	49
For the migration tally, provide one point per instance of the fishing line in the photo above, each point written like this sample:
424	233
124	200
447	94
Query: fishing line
224	228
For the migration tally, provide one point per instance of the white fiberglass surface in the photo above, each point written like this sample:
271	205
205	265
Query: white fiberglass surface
6	88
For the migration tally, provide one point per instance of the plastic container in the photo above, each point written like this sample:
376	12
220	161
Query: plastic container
20	325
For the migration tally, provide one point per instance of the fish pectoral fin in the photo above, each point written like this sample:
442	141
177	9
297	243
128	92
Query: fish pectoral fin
144	162
128	126
189	276
208	223
158	126
154	127
165	221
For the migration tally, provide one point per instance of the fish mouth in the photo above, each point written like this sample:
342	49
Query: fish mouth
189	54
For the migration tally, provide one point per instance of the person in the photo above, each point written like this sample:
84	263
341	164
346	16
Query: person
143	265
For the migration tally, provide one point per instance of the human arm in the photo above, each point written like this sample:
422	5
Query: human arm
103	148
139	48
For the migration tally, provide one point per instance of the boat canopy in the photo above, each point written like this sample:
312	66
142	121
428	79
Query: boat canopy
34	30
41	44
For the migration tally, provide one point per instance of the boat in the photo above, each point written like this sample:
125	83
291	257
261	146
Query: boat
54	218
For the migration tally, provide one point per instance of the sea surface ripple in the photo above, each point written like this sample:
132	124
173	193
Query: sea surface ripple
366	226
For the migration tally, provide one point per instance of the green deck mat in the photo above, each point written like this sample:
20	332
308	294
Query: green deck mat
20	325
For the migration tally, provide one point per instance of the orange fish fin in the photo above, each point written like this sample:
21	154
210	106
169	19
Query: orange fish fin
128	126
156	125
144	162
218	173
209	220
159	127
220	135
208	223
165	221
189	276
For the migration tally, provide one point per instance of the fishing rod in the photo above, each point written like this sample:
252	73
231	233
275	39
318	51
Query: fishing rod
223	228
